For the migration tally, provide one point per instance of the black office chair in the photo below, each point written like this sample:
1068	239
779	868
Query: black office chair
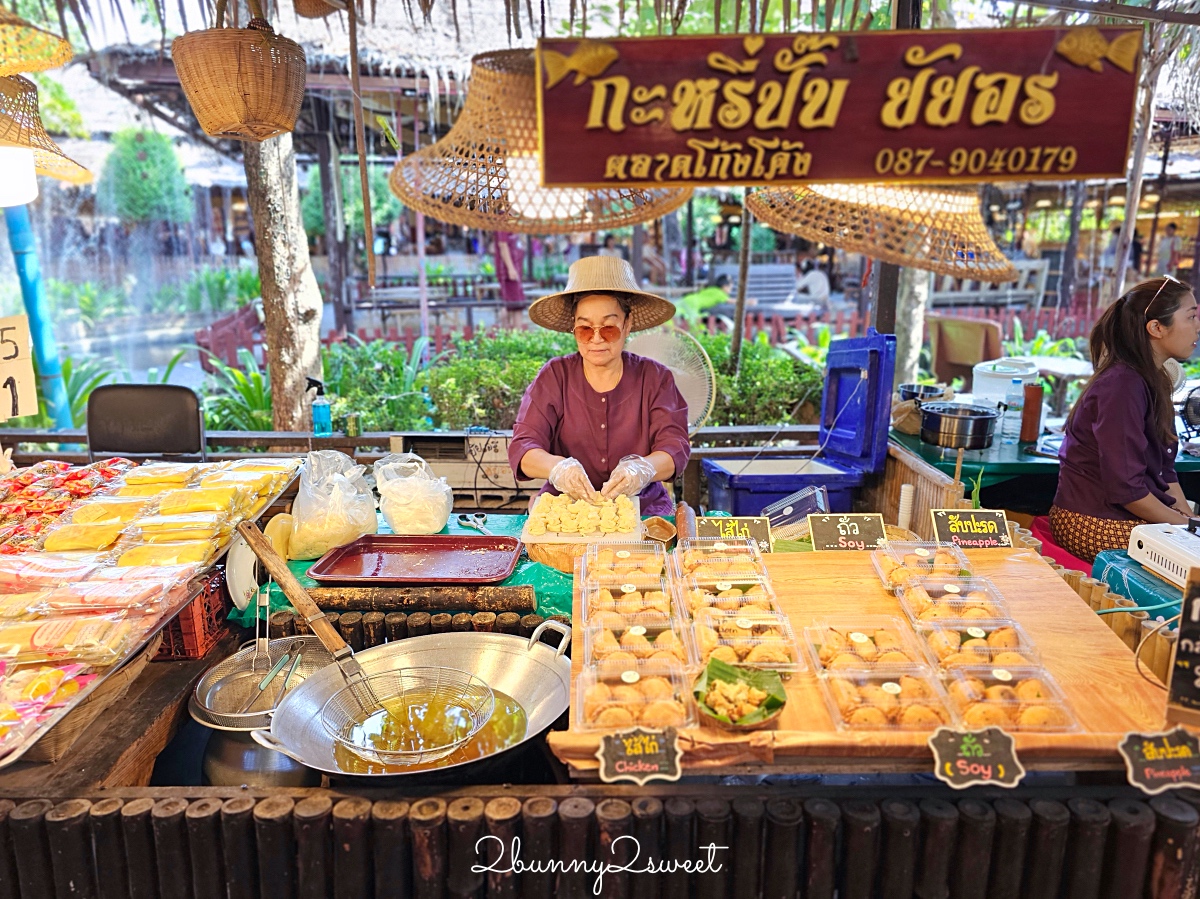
145	420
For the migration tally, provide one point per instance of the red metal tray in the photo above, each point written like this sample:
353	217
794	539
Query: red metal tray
440	559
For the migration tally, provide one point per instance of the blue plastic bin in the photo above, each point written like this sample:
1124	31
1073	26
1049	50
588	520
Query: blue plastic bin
741	487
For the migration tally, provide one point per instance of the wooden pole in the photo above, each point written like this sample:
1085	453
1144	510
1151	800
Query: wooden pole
71	848
170	847
139	848
314	863
680	818
739	306
1173	850
614	820
203	820
108	848
973	851
1131	834
393	858
824	820
901	831
9	888
648	831
427	820
276	841
861	829
238	848
539	820
781	868
575	842
353	876
502	819
464	827
1086	842
1047	849
714	827
939	829
360	141
748	817
31	847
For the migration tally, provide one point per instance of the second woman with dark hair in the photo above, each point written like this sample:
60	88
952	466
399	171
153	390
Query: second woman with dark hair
1118	456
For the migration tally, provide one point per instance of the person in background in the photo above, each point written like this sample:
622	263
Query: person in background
509	256
693	306
1168	249
812	283
1136	249
610	247
1118	454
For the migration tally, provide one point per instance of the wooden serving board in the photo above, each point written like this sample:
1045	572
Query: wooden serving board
1092	665
634	536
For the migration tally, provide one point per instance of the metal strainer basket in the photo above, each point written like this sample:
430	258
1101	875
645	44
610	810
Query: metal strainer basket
219	695
458	702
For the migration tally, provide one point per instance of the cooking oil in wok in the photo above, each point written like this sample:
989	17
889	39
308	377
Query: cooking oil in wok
431	723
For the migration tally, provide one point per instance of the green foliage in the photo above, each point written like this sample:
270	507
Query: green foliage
815	351
770	388
80	377
378	380
143	181
210	290
1043	344
238	399
976	490
762	238
94	302
481	381
59	113
385	206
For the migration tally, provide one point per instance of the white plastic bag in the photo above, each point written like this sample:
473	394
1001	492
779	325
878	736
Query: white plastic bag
334	505
413	499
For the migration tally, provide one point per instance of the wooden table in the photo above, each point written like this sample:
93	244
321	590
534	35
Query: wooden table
1088	660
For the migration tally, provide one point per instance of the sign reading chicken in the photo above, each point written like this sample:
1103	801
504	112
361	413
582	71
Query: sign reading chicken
975	105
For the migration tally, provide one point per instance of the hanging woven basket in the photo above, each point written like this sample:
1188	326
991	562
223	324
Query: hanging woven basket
486	172
27	48
934	228
243	83
313	9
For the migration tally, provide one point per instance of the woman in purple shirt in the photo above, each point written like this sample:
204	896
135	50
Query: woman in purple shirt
1118	455
602	422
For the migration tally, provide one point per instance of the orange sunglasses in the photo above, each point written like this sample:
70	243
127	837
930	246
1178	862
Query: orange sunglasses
608	333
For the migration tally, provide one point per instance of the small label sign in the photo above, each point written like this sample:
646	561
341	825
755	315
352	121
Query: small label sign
976	757
1183	683
1158	762
972	528
723	528
18	383
640	755
858	531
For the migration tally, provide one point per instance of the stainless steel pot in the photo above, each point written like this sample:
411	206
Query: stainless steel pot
232	758
920	391
958	425
529	671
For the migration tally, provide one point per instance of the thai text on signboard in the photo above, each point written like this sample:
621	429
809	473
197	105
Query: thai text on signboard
971	105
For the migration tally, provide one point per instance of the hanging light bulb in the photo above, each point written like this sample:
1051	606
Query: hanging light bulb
525	190
19	184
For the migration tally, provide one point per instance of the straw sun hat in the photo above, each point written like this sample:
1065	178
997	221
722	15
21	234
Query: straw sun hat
600	274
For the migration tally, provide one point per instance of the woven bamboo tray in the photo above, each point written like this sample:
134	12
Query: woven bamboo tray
60	738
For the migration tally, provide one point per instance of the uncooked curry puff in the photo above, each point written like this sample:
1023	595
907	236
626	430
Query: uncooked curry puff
562	515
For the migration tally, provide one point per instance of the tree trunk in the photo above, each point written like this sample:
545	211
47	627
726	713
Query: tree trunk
911	300
1066	281
291	298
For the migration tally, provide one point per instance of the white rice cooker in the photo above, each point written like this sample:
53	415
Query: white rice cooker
992	380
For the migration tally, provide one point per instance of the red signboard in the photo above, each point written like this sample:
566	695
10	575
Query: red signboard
973	105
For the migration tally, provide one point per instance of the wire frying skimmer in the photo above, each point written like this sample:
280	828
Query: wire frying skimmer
217	698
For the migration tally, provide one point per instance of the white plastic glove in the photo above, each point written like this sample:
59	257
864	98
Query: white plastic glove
630	477
569	477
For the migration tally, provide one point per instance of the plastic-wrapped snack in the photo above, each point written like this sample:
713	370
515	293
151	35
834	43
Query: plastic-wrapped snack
161	574
899	564
1015	700
751	636
161	473
613	601
225	499
616	694
97	596
20	606
640	638
109	510
703	593
865	643
618	559
1001	644
93	640
36	472
17	721
260	483
23	573
180	528
285	467
886	702
197	552
82	537
145	491
50	684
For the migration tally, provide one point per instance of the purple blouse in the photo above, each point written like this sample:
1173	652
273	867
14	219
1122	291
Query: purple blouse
564	416
1112	454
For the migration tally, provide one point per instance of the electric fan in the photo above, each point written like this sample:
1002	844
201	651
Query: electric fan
1189	414
689	363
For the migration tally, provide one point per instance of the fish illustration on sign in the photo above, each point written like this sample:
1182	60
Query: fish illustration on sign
590	59
1088	47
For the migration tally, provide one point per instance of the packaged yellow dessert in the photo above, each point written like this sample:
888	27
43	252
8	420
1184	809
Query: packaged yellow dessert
95	640
226	498
75	537
17	605
259	483
110	510
180	528
142	490
196	552
274	466
161	473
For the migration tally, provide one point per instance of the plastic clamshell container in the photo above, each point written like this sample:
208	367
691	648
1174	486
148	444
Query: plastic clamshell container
890	702
693	594
619	559
1016	699
900	563
952	600
996	644
618	694
720	559
751	638
643	637
852	644
620	598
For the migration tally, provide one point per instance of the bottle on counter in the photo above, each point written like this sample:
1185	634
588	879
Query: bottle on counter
322	415
1014	401
1031	416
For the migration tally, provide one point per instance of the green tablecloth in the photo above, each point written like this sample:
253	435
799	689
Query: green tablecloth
553	588
1128	578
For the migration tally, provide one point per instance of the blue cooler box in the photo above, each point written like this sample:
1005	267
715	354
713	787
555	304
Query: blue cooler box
856	409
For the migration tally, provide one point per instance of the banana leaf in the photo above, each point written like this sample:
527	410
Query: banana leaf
767	681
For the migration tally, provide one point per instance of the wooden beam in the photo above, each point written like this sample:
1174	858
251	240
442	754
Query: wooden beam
1121	11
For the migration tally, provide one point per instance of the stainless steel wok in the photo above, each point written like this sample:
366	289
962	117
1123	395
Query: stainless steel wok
531	672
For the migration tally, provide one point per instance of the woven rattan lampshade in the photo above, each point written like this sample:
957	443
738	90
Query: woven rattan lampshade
485	172
27	48
939	229
21	126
